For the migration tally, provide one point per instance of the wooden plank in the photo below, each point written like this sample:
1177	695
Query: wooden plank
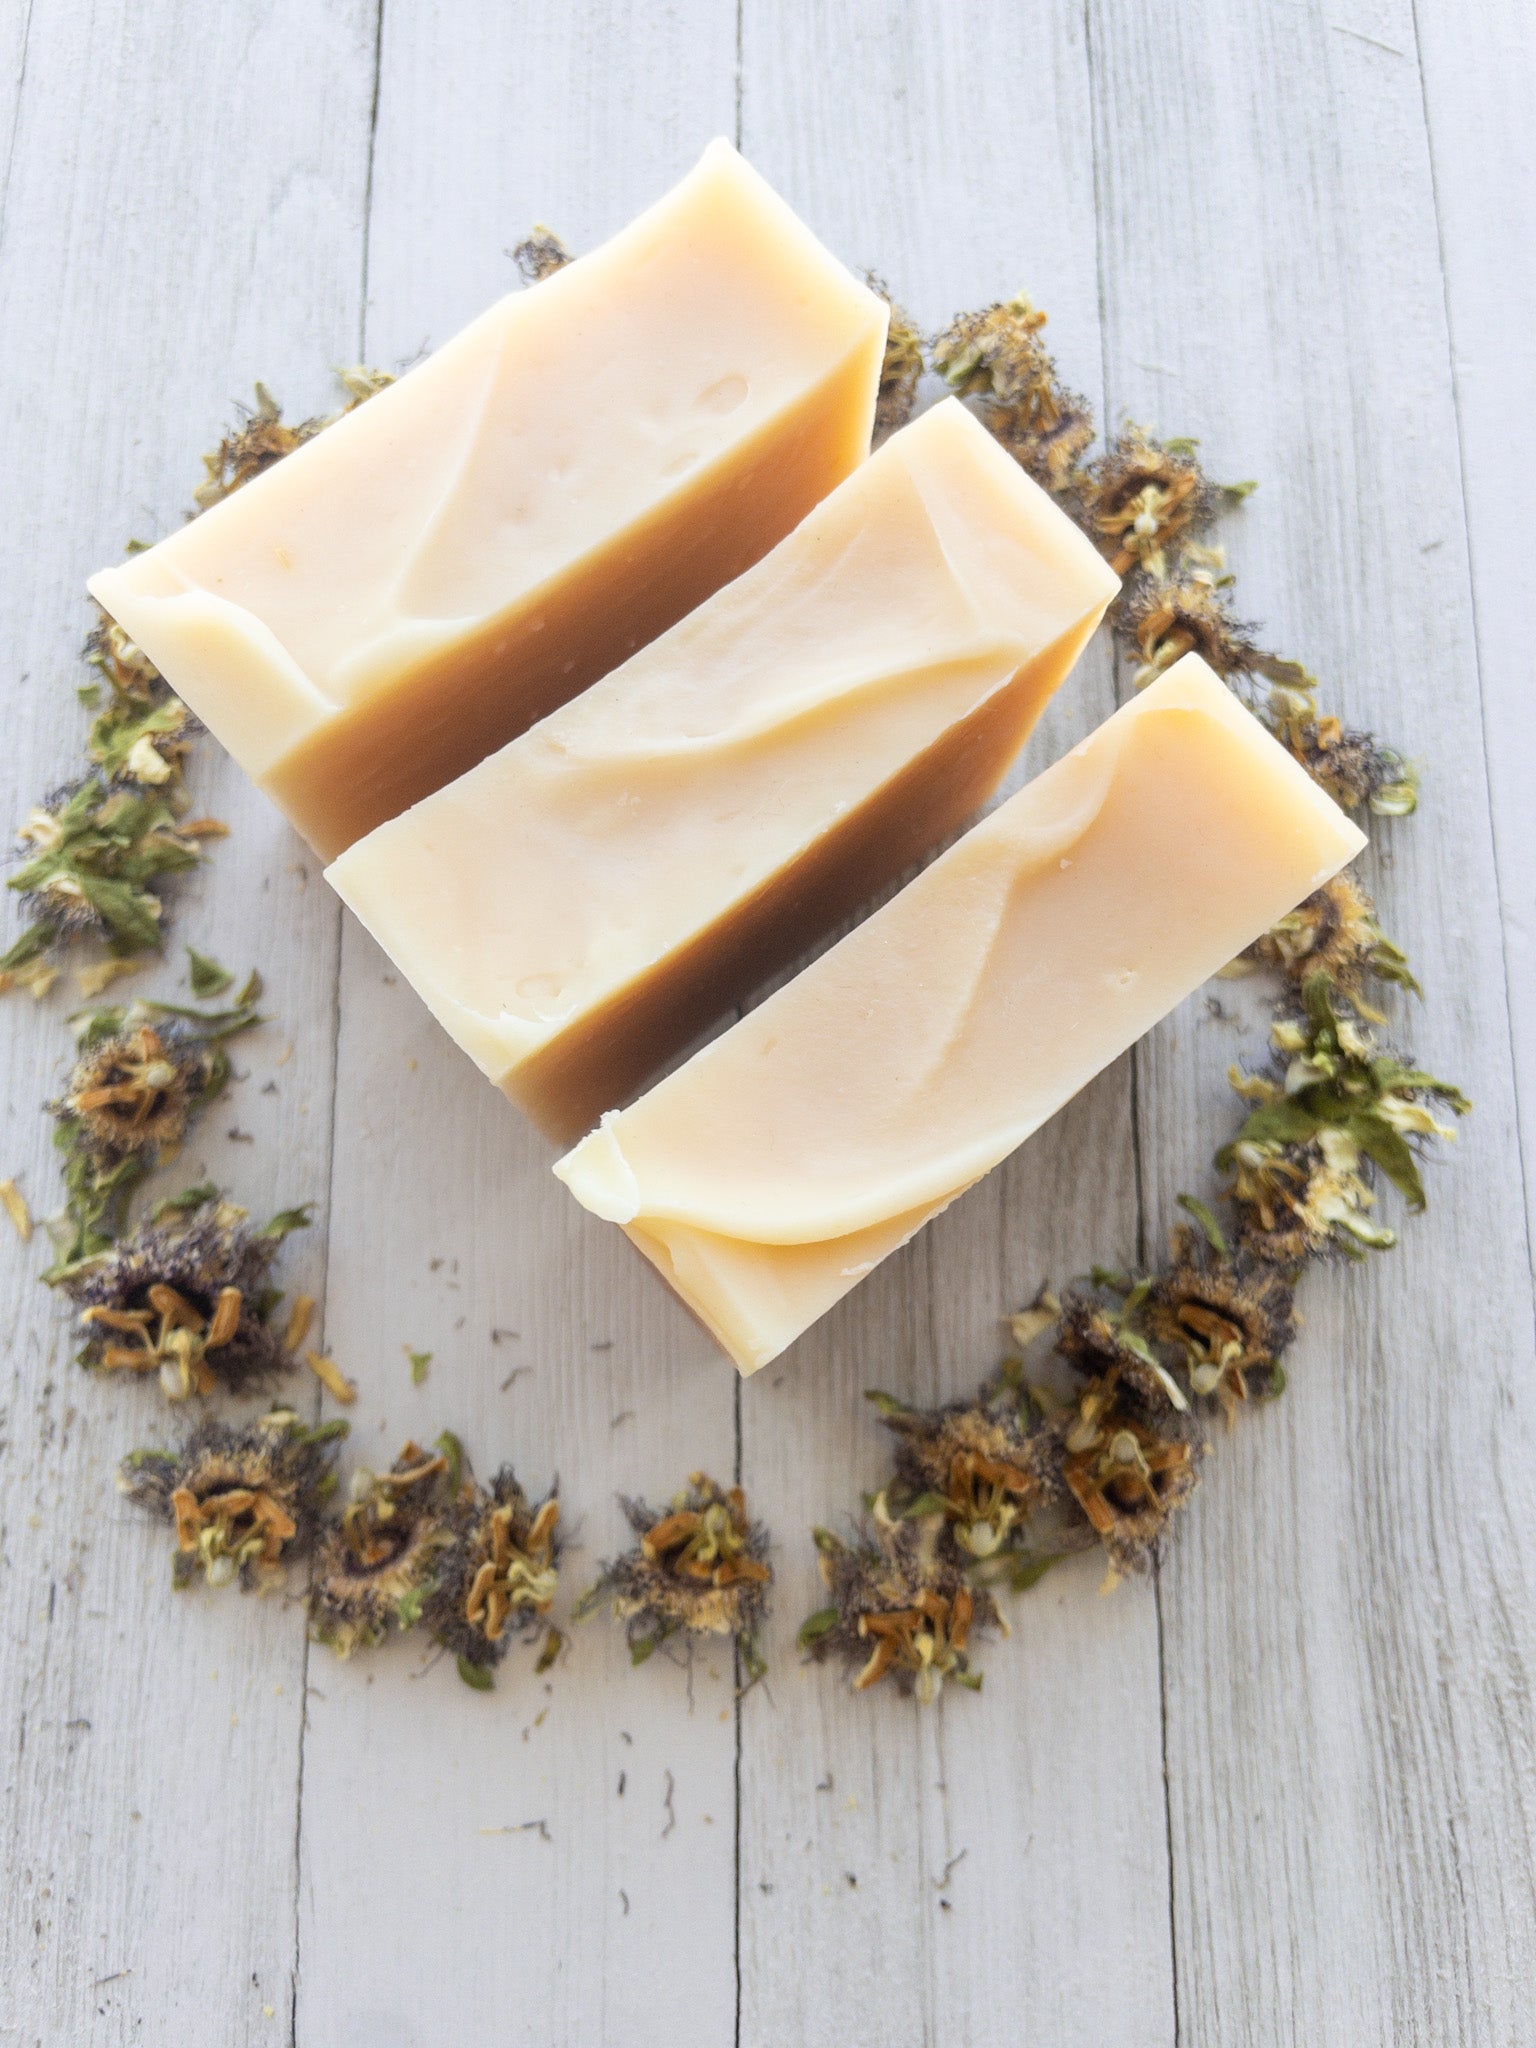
430	1912
182	216
903	144
1476	64
1348	1613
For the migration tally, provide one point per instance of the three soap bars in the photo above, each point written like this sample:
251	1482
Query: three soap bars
611	673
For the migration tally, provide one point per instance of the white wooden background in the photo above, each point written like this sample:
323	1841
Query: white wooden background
1288	1794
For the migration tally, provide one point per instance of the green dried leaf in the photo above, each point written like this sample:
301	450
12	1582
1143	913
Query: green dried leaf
1205	1216
420	1360
207	977
477	1677
287	1220
816	1625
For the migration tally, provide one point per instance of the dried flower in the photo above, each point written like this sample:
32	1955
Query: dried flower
540	254
1127	1472
1142	495
499	1571
1335	932
977	1463
1186	612
903	1605
997	357
187	1296
700	1568
901	368
1231	1316
90	854
1339	1106
243	1501
1103	1331
263	437
144	1072
379	1565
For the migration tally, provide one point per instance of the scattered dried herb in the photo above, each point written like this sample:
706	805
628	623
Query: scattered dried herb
243	1501
188	1297
699	1568
263	437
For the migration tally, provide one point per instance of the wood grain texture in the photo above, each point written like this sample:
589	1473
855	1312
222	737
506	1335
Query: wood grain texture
1300	234
902	148
430	1912
157	256
1347	1615
1476	64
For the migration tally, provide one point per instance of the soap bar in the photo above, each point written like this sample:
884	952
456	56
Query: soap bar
579	468
578	908
779	1165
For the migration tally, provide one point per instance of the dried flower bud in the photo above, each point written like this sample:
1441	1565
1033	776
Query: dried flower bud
377	1568
243	1501
188	1297
700	1568
903	1605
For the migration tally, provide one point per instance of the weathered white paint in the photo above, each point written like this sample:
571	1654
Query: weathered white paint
1244	227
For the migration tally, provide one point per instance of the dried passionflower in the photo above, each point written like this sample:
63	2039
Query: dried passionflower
997	357
1103	1330
1232	1315
187	1296
1186	612
379	1565
978	1463
540	254
498	1573
1335	932
700	1568
903	1606
1354	767
263	437
1142	495
1126	1471
901	369
243	1501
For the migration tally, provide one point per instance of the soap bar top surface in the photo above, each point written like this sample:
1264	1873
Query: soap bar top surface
558	417
923	1048
584	853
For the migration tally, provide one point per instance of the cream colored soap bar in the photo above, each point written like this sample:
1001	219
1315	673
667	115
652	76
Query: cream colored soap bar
580	467
769	1174
577	908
